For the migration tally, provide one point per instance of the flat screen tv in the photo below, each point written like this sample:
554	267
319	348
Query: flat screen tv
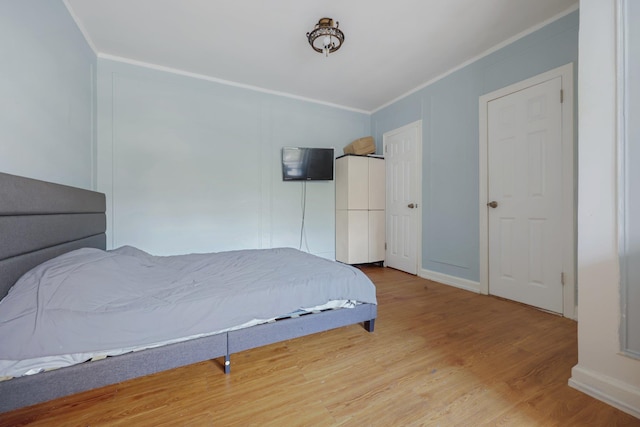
307	164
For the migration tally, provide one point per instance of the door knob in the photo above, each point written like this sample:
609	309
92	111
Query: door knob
411	206
493	204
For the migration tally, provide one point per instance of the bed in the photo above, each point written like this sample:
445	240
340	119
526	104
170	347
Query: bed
41	223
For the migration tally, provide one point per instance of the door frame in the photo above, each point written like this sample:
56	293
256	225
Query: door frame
569	202
418	125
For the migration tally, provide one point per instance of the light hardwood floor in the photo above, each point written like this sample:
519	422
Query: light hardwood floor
439	356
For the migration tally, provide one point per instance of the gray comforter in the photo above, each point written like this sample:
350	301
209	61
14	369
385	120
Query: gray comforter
91	300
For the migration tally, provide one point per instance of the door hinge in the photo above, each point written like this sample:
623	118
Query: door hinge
561	96
386	148
385	246
562	278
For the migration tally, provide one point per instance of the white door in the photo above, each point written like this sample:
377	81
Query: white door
525	190
402	151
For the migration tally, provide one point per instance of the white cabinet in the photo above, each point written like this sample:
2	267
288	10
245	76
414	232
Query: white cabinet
360	204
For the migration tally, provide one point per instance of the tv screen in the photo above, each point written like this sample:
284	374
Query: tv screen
307	164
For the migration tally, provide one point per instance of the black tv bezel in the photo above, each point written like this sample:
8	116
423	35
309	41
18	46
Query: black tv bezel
306	178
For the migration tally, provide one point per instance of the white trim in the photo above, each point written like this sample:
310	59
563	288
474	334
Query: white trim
607	389
480	56
222	81
623	144
621	161
93	78
418	125
568	159
81	27
445	279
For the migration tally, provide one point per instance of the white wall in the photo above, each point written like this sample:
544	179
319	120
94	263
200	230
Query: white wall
190	165
601	371
47	88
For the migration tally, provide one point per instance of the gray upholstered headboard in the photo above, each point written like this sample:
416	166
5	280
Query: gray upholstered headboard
40	220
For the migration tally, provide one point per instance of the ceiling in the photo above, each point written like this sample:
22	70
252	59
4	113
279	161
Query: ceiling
390	48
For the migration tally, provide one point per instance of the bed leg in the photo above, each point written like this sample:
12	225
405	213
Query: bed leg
369	325
227	364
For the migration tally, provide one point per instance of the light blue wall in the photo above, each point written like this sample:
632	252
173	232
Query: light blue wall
449	111
47	88
190	165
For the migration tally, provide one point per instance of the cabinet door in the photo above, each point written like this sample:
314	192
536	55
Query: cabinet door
376	236
342	236
376	183
358	237
342	183
358	184
352	239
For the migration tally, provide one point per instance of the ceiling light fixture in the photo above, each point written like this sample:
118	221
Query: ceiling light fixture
326	37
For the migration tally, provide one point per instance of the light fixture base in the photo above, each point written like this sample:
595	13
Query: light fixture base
326	37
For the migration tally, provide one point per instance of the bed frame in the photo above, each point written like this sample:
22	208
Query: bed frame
41	220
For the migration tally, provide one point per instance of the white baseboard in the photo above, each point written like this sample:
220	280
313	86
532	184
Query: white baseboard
467	285
614	392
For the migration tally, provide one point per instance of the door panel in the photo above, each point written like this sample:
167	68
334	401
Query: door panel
401	153
525	179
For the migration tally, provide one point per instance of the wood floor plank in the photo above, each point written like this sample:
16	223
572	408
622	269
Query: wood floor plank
439	356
